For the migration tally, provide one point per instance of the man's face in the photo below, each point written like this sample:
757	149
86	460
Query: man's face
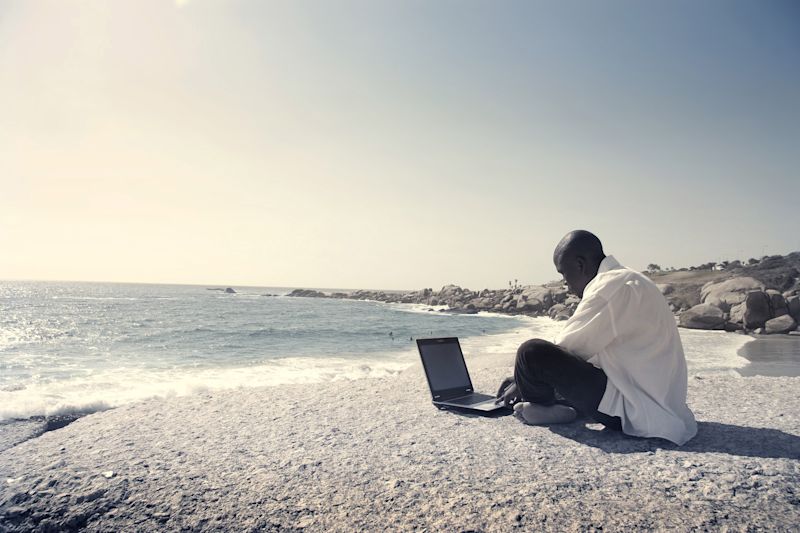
572	269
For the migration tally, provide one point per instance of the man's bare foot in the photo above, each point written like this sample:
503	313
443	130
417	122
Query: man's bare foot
536	414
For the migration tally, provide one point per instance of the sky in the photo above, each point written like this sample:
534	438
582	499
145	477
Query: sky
391	144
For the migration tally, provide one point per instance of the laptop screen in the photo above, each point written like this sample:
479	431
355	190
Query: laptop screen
444	364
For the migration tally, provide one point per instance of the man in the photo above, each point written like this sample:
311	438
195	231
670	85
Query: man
618	360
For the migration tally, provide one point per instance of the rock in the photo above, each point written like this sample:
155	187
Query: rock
559	294
665	288
756	309
737	313
781	324
306	293
777	304
796	332
563	315
529	306
534	299
229	290
556	309
16	511
793	305
729	292
450	290
703	316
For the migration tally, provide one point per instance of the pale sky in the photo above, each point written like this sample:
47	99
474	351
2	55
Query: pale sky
391	144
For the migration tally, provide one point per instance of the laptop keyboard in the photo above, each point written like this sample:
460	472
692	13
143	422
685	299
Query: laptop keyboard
471	399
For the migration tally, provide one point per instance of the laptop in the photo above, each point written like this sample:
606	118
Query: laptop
448	377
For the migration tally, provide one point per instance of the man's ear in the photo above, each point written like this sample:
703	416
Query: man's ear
581	262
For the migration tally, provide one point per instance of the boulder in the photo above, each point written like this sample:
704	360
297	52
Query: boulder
730	292
529	306
510	305
449	291
559	294
777	304
703	316
781	324
793	305
556	309
665	288
535	299
306	293
756	310
737	313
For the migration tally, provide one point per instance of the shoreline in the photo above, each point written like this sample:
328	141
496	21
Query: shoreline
771	355
777	360
378	455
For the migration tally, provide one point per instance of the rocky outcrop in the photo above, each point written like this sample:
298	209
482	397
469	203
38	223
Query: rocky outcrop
793	305
731	302
781	324
307	293
533	300
729	292
756	310
777	303
703	316
230	290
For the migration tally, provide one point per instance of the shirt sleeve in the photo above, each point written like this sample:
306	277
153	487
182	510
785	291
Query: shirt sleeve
593	326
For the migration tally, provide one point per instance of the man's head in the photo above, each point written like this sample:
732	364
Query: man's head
577	258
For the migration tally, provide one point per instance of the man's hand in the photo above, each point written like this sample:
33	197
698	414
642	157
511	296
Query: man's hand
508	394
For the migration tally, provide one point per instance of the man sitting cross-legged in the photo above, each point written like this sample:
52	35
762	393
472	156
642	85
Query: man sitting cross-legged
618	360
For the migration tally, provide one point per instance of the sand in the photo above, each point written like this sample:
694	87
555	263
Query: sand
375	455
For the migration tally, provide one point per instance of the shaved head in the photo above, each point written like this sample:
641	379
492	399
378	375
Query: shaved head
577	257
579	242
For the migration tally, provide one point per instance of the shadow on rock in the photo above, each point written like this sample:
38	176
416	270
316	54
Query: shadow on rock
711	437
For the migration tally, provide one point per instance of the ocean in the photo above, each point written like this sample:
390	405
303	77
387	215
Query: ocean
75	348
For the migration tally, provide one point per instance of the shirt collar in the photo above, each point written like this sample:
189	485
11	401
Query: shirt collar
609	263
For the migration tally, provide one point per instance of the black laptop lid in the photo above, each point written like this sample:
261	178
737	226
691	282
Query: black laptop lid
444	367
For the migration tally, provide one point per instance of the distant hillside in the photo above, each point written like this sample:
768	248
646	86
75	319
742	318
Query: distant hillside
775	272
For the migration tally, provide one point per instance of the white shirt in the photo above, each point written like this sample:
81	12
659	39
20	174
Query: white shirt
624	327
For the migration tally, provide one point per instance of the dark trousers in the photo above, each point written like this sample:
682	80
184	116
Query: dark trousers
543	368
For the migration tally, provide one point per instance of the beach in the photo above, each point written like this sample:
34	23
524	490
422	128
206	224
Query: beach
374	454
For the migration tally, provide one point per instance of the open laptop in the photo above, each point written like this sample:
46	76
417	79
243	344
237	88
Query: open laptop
448	377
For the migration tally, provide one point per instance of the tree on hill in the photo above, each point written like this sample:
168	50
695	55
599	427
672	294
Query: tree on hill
652	267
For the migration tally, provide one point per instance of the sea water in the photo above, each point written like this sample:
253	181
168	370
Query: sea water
74	348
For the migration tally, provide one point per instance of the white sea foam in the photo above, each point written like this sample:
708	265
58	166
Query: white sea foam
110	388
